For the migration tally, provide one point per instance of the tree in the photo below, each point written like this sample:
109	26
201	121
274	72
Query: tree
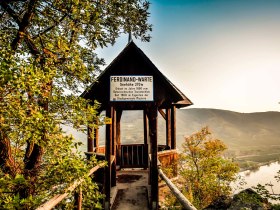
47	47
206	173
267	190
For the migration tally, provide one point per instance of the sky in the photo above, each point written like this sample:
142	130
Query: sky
222	54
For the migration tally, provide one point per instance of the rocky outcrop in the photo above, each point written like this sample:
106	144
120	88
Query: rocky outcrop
247	199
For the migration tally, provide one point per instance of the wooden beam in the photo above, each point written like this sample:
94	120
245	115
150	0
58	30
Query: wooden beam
173	127
114	149
96	138
93	138
145	125
153	166
108	152
78	200
114	139
168	127
89	139
180	197
59	197
146	128
162	113
118	136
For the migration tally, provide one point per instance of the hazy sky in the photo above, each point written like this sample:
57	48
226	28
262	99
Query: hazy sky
221	54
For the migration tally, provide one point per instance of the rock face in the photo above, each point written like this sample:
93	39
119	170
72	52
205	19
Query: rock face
223	202
247	199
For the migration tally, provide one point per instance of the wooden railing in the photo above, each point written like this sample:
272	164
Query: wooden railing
100	149
186	204
134	156
167	158
59	197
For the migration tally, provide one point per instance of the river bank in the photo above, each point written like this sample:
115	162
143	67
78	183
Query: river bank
263	175
253	166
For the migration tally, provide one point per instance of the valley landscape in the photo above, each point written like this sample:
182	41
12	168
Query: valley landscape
248	136
252	139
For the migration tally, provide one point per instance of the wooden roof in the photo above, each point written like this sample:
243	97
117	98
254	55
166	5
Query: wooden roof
132	61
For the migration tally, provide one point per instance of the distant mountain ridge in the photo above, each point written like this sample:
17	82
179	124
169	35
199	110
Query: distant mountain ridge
245	134
234	128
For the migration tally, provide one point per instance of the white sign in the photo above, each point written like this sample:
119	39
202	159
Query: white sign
131	88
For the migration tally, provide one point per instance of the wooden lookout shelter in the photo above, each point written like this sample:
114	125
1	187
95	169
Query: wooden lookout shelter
133	82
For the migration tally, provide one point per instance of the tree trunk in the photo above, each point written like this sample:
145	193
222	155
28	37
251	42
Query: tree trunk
6	161
34	152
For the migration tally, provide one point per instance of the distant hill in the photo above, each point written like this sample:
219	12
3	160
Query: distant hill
237	130
245	134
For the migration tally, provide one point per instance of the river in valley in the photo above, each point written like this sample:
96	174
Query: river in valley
264	175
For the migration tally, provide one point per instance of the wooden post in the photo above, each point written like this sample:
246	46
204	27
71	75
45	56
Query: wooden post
96	138
173	127
108	152
145	125
168	127
89	139
78	200
118	136
93	138
145	120
114	132
153	166
114	149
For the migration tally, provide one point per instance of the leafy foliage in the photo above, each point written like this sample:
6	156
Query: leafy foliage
204	173
46	48
35	155
207	173
267	191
